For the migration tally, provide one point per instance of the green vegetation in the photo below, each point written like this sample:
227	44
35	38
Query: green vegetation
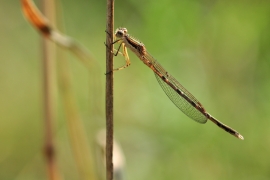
218	50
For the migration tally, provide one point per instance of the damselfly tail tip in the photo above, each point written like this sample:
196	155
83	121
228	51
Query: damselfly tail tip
240	136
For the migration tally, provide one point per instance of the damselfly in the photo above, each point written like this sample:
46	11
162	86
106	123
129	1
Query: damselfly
181	97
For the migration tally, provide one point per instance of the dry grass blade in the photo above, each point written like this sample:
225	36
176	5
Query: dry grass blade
40	22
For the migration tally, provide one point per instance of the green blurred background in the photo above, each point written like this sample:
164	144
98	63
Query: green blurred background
219	50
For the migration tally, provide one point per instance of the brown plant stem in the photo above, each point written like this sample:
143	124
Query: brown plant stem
109	90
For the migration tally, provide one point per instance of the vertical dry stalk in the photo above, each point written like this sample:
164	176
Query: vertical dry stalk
49	114
49	96
109	90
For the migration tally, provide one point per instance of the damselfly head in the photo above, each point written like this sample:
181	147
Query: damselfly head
120	32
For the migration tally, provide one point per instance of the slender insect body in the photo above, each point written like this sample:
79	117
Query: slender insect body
181	97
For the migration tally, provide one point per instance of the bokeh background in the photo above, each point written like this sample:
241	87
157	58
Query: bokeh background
219	50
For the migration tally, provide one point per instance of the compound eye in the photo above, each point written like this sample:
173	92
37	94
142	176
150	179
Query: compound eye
119	33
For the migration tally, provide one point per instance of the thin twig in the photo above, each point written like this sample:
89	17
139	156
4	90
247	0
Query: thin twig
109	90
